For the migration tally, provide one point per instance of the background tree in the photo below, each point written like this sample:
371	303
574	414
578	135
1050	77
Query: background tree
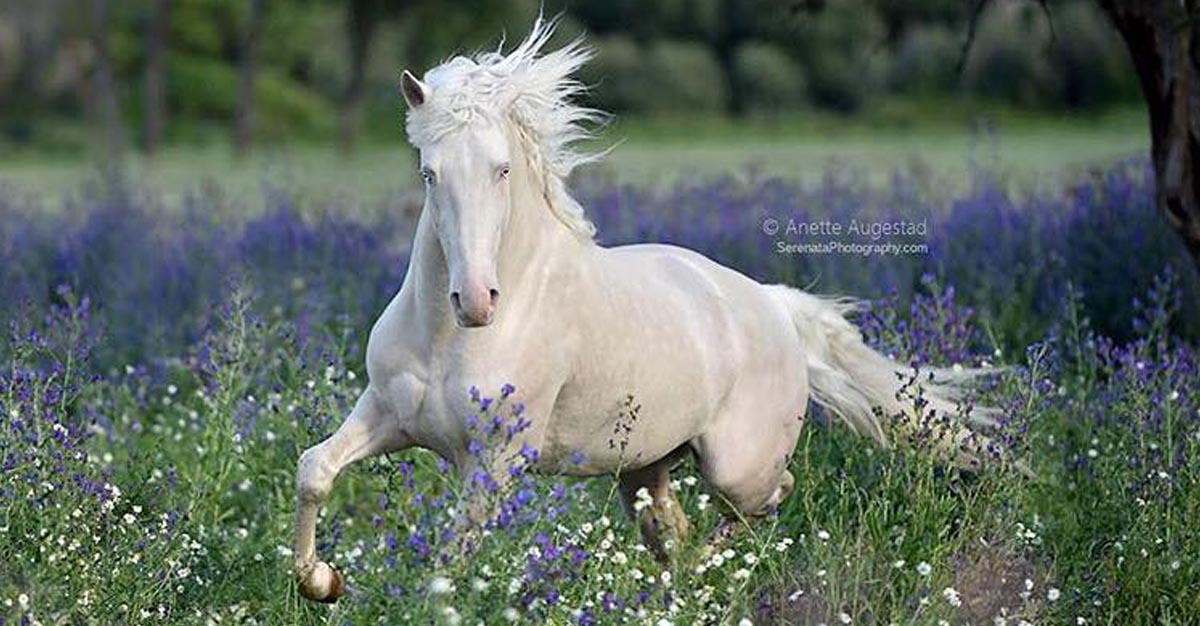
731	34
157	35
429	25
112	130
244	119
250	69
1163	41
362	17
1163	38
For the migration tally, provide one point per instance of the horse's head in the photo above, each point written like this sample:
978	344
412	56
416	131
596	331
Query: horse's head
466	174
475	120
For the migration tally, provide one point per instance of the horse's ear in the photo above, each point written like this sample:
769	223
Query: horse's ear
415	92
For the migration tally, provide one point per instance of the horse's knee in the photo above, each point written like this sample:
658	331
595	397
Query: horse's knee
753	491
776	491
313	479
783	489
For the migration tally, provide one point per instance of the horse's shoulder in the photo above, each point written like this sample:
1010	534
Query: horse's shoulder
397	343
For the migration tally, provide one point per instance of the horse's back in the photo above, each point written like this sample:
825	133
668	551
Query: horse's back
748	309
760	347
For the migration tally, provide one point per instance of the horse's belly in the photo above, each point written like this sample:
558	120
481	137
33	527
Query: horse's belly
656	361
627	419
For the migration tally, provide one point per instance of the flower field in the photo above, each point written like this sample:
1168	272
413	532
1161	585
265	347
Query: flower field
165	365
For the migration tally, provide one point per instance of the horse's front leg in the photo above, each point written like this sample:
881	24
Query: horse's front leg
487	472
369	430
648	499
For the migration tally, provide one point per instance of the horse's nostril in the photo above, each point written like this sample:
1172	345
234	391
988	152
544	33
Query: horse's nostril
495	295
455	301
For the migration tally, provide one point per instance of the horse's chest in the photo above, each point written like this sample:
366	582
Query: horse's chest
479	372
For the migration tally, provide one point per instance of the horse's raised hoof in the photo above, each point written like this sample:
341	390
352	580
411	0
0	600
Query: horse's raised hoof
321	583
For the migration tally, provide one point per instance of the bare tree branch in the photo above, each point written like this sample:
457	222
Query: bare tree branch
973	28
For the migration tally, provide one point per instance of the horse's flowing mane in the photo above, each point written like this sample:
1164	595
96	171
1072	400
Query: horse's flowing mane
532	91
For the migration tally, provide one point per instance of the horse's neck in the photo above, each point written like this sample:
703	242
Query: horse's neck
535	238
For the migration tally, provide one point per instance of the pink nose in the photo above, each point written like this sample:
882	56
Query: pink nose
475	307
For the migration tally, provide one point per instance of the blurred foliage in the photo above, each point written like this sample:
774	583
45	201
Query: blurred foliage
769	80
204	89
924	60
1090	73
681	76
1016	57
1007	63
654	57
838	51
661	77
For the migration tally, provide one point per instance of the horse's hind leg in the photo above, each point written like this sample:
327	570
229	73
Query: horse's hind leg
749	467
663	523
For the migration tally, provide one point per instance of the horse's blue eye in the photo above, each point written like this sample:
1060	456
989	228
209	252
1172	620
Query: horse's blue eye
427	176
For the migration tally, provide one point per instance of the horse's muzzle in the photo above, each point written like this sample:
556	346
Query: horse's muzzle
475	310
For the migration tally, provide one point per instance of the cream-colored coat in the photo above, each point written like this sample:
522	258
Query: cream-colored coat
505	286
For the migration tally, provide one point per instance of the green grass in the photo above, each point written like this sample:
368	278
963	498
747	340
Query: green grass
936	141
200	529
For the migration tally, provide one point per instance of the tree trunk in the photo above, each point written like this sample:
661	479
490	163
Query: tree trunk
244	121
112	131
156	75
361	17
1163	38
729	36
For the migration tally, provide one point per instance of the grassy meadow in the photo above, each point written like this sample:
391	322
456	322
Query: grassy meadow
938	140
180	330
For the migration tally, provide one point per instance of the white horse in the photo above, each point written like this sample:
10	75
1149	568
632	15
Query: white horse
506	284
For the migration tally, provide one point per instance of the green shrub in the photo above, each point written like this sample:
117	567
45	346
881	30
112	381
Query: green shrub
1092	64
1007	60
682	77
668	76
767	79
614	76
206	28
926	61
203	88
835	47
837	82
692	18
1015	59
286	106
11	55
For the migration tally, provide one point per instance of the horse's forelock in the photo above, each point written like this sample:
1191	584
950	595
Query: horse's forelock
531	90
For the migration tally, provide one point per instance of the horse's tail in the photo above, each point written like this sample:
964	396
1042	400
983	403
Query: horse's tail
877	396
